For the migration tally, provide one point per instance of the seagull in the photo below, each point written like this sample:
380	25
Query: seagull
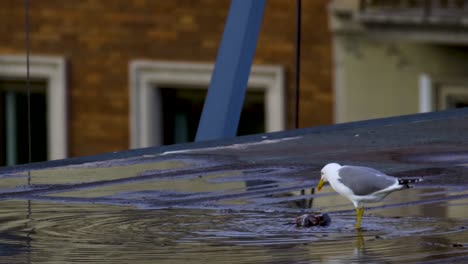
361	184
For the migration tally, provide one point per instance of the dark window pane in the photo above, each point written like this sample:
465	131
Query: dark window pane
252	120
182	107
38	127
2	130
461	104
456	101
19	106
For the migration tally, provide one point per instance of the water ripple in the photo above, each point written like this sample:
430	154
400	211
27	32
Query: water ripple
107	234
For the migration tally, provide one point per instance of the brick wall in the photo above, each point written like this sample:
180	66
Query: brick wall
99	38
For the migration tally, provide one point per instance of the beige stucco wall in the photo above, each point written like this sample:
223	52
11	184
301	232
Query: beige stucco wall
379	77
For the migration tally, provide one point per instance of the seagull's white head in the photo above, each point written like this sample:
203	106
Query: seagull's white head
327	171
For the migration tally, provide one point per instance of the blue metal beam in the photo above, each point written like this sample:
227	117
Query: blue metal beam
223	103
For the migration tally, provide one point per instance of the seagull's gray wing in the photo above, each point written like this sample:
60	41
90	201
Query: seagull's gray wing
363	180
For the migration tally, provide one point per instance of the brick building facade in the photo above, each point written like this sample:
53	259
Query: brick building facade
98	40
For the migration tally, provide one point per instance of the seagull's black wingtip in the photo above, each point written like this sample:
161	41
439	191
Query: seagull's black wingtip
407	182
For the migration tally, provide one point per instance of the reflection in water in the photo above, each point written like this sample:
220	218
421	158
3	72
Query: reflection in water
213	215
97	233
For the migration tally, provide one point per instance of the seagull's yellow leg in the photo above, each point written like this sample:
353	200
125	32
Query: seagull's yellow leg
359	213
359	240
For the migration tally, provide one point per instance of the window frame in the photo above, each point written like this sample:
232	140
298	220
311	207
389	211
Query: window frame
433	91
52	69
145	105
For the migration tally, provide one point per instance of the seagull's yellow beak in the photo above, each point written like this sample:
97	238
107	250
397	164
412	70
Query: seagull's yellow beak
320	184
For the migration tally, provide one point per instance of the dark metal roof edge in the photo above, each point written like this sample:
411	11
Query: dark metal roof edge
424	117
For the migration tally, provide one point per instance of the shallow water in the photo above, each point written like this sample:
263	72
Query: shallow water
59	233
153	210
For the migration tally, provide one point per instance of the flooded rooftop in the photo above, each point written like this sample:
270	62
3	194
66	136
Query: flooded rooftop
236	200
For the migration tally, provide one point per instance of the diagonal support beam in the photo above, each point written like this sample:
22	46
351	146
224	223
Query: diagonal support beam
223	103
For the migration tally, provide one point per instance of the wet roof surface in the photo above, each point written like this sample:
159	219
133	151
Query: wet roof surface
250	188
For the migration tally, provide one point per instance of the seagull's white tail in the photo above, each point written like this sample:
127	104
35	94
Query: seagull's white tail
406	182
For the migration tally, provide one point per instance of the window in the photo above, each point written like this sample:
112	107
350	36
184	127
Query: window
157	87
48	109
182	108
441	95
452	96
14	122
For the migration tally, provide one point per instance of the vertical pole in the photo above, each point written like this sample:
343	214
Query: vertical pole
298	64
223	103
28	85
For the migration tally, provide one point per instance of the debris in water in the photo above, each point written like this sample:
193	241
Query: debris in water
308	220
